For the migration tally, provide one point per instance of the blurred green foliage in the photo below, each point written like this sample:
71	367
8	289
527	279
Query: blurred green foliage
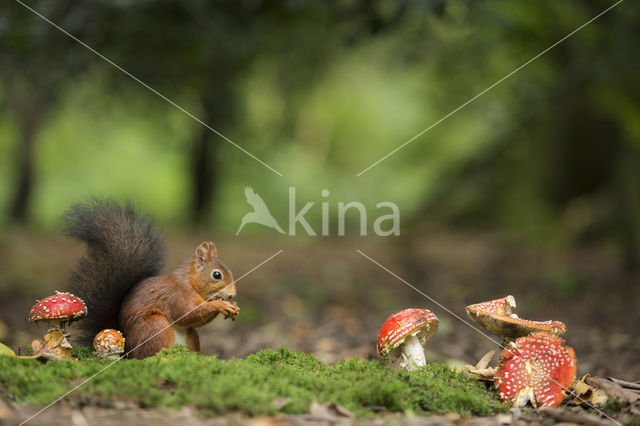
319	91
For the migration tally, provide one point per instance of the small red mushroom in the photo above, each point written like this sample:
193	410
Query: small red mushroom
108	344
58	310
537	369
403	335
497	317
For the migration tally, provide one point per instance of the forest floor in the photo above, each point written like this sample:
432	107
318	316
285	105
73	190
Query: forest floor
323	297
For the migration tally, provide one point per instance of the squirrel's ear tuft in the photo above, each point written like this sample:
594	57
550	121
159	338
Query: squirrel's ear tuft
213	251
202	255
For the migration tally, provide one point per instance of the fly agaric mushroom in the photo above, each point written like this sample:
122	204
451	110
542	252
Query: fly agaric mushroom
108	344
58	310
537	369
497	317
403	335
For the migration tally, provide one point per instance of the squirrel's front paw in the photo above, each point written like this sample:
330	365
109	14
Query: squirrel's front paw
229	309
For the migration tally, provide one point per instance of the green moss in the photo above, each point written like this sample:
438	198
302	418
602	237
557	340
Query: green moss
177	377
82	352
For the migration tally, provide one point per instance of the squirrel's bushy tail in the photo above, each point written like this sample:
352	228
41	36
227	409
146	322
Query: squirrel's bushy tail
123	248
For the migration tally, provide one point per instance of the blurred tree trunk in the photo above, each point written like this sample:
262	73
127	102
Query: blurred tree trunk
627	183
24	173
29	106
204	174
205	164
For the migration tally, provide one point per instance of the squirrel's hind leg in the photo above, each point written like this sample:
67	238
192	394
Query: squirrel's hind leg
149	336
193	340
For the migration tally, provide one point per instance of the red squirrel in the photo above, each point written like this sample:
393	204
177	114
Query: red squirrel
118	280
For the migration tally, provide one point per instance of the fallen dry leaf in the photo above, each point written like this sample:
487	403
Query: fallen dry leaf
5	410
54	345
613	389
481	370
267	421
572	416
5	350
588	393
625	384
280	403
330	410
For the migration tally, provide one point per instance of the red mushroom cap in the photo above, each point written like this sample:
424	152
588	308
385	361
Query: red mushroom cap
61	306
496	317
404	323
536	368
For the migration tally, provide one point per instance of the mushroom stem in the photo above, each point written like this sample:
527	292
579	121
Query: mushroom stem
55	325
412	354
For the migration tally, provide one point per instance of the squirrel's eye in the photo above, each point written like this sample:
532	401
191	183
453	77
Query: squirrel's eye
216	275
